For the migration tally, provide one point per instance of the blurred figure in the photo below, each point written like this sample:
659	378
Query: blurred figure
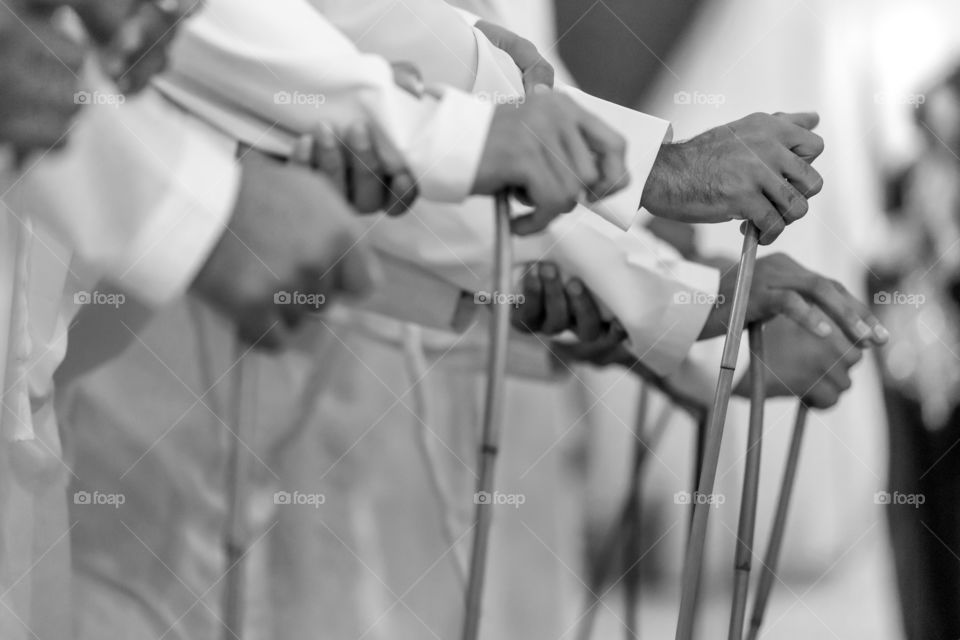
916	288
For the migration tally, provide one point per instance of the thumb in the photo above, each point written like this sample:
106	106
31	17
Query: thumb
360	271
808	120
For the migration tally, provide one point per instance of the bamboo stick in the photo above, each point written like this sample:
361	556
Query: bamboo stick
772	558
751	486
693	564
492	420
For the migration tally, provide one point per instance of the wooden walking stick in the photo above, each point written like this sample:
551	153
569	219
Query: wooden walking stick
772	558
492	421
702	499
751	485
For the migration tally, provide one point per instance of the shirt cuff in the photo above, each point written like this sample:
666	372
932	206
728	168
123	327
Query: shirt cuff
445	157
645	135
166	255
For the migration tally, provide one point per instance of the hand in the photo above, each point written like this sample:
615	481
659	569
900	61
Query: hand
551	306
39	71
364	166
783	287
291	233
803	366
756	169
550	151
534	67
132	35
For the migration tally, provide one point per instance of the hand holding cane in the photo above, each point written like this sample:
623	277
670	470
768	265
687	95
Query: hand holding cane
698	533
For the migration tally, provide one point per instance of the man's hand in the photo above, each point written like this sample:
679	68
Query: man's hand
783	287
132	35
534	67
756	169
39	70
551	306
363	165
290	247
550	151
801	365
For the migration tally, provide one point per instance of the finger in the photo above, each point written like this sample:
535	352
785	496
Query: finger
806	119
762	213
801	175
823	395
528	316
587	321
303	151
583	163
366	187
557	313
545	193
403	193
540	74
808	316
852	316
329	158
610	149
789	202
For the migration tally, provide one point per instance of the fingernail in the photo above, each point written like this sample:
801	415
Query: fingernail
863	329
541	88
881	333
359	138
548	271
824	329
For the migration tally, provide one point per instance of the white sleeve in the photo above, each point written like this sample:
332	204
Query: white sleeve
141	194
269	72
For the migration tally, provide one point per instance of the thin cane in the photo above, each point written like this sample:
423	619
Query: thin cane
770	561
492	421
631	520
234	538
693	564
751	486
